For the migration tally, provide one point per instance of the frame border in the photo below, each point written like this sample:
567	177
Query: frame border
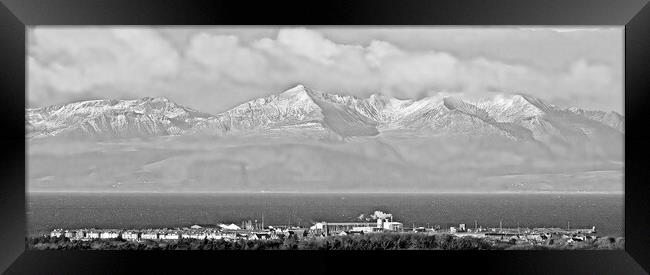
16	15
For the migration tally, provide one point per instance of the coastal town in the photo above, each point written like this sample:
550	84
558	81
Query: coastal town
254	230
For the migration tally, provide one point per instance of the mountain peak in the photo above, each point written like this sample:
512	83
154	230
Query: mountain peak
298	107
298	93
296	89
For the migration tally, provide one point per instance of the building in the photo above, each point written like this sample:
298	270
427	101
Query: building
366	229
328	228
393	226
336	227
149	236
108	235
80	234
130	235
169	236
69	234
92	235
56	233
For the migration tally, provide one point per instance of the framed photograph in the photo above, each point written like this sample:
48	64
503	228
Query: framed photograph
364	136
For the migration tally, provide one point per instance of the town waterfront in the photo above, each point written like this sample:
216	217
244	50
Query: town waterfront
47	211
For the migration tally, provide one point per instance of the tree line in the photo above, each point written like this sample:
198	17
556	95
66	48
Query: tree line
379	241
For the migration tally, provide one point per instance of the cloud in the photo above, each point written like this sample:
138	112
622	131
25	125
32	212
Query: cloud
222	55
307	43
73	61
214	71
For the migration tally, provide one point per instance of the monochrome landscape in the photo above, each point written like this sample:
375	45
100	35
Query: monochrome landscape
135	124
304	140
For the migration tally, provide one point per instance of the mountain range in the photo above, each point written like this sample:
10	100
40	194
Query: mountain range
520	117
308	140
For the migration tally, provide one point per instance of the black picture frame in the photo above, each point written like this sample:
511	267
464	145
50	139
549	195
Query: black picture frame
15	15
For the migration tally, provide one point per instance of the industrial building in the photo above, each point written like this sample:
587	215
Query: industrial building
329	228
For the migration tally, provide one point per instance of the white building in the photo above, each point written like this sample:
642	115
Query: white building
169	236
129	235
56	233
108	235
389	225
393	226
364	229
149	236
92	235
318	226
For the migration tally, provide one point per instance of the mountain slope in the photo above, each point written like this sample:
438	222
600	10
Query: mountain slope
114	118
307	140
298	107
301	111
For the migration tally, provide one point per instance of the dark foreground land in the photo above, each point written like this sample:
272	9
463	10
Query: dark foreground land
380	241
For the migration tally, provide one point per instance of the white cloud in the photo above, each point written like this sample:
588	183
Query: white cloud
222	55
215	71
307	43
73	60
378	50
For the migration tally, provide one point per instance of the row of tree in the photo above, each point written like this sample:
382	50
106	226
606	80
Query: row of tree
380	241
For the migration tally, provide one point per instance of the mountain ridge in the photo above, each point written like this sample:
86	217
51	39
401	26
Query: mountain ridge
308	140
299	107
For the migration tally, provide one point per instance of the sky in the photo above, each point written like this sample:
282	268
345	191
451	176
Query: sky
213	69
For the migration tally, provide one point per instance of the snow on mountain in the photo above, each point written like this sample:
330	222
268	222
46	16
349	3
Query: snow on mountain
301	110
293	107
300	107
509	128
114	118
282	142
612	119
510	108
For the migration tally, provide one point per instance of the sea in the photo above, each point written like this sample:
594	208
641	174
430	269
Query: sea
46	211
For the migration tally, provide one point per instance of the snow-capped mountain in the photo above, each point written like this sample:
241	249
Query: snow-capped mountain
327	142
299	109
114	118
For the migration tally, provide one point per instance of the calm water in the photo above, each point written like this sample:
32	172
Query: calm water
47	211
